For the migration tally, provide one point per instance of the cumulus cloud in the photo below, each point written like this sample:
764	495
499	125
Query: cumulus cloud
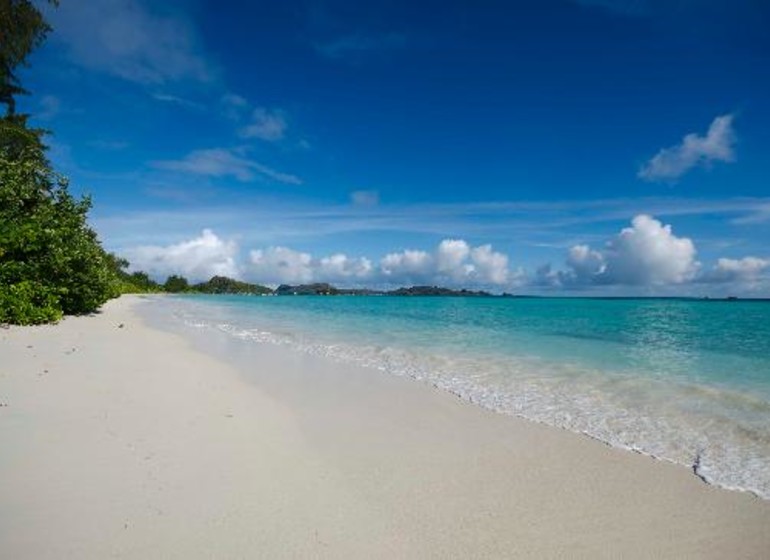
407	266
221	162
747	269
671	163
281	265
586	263
645	254
342	267
452	263
547	276
451	257
649	253
126	39
488	266
197	259
266	125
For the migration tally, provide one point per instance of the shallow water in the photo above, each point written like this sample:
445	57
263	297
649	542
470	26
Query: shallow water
682	380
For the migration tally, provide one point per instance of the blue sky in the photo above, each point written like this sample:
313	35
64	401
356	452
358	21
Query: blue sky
557	146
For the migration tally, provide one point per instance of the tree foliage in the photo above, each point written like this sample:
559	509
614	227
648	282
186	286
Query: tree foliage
175	284
132	282
22	29
51	261
224	285
49	256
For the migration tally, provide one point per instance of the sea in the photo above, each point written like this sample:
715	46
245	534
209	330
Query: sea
681	380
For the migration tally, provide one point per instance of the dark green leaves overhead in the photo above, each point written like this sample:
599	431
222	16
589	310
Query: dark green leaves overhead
22	29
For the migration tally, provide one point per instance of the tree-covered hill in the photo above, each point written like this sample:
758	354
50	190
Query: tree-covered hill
224	285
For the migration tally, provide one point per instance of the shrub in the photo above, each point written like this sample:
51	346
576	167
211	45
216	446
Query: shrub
29	303
175	284
49	258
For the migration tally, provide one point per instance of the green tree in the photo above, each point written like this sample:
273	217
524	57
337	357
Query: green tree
22	29
224	285
51	262
141	282
49	256
176	284
131	282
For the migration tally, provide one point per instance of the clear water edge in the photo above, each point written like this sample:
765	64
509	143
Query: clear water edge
668	391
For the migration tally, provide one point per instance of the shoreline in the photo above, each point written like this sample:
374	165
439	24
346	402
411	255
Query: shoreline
722	455
128	441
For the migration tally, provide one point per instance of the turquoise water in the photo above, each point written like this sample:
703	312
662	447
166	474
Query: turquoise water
682	380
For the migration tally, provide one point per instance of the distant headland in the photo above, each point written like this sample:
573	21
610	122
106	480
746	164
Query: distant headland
139	282
224	285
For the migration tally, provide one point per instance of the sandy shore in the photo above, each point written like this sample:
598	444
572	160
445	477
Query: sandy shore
119	440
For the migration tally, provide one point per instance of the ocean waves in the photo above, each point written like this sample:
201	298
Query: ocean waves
677	412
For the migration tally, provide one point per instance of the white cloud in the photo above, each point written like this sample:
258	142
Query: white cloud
453	263
266	125
671	163
451	257
645	254
548	277
125	38
342	267
490	267
221	162
281	265
648	253
747	269
365	198
585	263
407	266
197	259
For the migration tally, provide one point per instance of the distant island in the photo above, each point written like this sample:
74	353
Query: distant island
324	289
140	282
223	285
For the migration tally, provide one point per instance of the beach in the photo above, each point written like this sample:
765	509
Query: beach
123	440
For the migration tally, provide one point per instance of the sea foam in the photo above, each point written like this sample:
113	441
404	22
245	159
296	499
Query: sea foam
721	432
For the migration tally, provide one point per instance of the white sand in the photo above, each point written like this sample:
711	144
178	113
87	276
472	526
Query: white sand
129	443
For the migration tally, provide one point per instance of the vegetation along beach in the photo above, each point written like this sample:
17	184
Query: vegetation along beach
384	279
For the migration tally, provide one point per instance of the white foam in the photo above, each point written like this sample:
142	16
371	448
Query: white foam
635	413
